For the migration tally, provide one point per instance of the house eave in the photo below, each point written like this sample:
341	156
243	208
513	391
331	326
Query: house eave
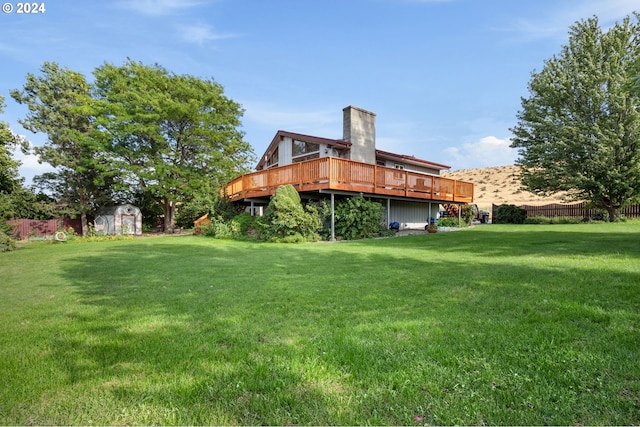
412	160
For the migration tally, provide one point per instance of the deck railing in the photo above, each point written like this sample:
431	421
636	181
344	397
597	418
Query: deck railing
332	173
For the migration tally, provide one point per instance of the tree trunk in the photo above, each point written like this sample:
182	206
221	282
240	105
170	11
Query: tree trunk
613	213
83	203
84	224
169	215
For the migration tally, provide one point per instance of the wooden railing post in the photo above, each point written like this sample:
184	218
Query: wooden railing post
455	191
375	177
330	171
406	183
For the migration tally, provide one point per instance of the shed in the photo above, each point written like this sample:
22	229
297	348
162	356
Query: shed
121	219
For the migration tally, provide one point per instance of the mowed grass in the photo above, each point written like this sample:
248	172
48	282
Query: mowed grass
502	325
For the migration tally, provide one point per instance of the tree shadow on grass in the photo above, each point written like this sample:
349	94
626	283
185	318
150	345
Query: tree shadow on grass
238	333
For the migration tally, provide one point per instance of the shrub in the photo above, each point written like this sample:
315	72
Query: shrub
322	208
285	218
357	218
600	216
6	242
193	210
468	213
218	229
510	214
448	222
242	223
567	220
539	219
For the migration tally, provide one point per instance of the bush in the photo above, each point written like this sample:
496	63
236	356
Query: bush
600	216
510	214
286	220
218	229
242	224
357	218
219	207
6	242
468	213
322	208
555	220
538	219
449	222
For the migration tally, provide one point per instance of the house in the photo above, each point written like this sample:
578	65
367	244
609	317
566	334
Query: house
410	188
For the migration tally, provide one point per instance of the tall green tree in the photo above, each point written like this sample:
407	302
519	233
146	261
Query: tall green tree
10	182
60	105
9	175
176	135
16	201
579	129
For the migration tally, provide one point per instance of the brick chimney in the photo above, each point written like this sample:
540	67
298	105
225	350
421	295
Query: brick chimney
359	128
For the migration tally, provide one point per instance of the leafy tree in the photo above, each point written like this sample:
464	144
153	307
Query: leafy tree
579	130
15	200
175	135
9	176
60	105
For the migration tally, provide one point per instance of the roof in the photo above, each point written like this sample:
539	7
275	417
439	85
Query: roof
110	210
341	144
410	160
335	143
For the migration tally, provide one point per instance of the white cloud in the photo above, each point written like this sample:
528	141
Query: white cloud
486	152
200	34
555	24
30	166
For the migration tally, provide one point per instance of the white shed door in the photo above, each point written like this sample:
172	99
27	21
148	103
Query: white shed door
128	224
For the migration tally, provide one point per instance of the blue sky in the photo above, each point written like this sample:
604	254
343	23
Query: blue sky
444	77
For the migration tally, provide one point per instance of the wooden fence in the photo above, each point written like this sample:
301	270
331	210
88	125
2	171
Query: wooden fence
24	228
573	210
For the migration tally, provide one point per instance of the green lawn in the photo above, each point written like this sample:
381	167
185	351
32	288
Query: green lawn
517	325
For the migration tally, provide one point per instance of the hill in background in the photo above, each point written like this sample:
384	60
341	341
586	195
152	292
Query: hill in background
499	185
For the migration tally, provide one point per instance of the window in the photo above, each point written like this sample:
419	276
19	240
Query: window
301	148
306	157
272	158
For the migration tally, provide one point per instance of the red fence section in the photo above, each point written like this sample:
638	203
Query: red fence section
23	228
575	210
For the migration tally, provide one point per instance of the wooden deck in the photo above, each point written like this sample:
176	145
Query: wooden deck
332	173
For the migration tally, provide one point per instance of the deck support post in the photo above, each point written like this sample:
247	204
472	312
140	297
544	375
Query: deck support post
388	212
333	218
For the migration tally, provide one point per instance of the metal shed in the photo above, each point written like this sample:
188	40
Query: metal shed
121	219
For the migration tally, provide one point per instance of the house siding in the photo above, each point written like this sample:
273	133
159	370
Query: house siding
412	214
412	168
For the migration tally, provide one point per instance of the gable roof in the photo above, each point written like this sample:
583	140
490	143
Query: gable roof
335	143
